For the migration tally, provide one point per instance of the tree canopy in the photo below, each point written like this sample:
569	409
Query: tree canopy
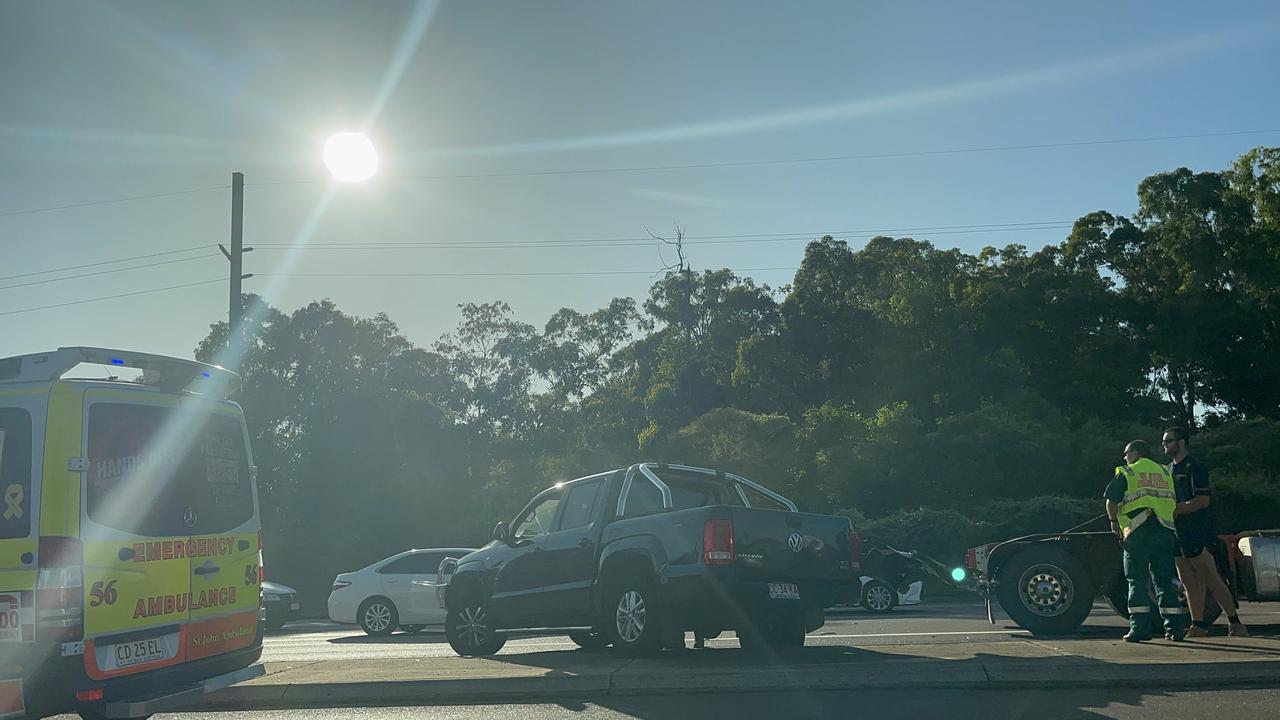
882	380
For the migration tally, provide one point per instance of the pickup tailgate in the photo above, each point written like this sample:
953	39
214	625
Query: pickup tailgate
775	545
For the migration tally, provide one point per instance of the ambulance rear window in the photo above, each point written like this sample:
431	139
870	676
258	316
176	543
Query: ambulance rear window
160	471
15	473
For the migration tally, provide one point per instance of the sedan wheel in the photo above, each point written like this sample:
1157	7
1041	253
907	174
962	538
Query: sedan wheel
378	617
879	597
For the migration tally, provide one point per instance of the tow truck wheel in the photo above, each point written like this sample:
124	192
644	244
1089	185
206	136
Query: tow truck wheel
879	596
1045	590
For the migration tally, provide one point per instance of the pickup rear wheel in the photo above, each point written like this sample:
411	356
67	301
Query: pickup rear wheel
1045	590
776	633
633	618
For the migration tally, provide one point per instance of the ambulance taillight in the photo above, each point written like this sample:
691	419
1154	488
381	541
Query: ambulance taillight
60	590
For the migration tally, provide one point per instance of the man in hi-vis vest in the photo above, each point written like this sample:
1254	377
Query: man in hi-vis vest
1140	504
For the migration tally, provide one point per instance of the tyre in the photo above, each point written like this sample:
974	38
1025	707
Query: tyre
274	623
786	631
413	629
1045	590
378	616
879	596
633	620
590	640
470	631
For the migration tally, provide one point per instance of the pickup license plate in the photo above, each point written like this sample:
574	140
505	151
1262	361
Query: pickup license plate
784	591
137	652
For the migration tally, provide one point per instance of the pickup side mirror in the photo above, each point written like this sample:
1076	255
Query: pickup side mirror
500	533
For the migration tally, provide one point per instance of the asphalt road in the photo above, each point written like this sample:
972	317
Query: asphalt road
878	704
921	624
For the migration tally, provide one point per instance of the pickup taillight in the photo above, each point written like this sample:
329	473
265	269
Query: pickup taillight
717	542
59	595
855	550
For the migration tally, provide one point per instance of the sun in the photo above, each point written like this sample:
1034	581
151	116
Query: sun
350	156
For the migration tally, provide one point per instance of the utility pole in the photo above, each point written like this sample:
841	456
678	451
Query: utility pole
235	307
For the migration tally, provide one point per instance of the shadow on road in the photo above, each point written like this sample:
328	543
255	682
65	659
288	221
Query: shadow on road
1042	678
398	638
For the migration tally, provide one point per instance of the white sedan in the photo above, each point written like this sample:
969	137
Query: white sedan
398	592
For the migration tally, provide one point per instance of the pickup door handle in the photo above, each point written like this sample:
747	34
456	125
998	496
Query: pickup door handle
207	570
585	542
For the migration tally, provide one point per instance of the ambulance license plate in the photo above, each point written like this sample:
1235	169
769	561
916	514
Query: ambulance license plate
140	651
784	591
11	617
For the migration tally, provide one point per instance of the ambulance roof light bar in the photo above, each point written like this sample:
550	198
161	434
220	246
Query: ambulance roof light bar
168	373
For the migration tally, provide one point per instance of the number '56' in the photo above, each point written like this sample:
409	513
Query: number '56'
101	594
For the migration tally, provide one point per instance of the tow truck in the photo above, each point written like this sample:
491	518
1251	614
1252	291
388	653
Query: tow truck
1047	583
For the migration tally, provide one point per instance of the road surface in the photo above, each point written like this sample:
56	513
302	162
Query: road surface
1120	704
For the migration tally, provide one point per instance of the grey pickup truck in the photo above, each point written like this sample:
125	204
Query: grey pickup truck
636	557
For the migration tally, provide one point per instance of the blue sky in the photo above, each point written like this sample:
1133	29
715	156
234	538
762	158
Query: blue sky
111	100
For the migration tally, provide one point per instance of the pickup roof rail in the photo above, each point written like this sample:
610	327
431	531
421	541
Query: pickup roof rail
647	470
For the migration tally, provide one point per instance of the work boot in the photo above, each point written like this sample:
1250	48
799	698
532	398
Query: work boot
1133	637
1238	630
1195	631
1172	636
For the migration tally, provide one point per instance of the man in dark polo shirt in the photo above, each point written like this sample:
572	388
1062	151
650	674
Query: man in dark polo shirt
1196	534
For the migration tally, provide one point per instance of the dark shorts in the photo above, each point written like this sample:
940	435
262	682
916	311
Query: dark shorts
1189	547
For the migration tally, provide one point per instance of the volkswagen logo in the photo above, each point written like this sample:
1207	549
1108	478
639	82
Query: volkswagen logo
189	517
795	542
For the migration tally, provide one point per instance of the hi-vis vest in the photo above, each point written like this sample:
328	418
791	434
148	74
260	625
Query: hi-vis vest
1149	486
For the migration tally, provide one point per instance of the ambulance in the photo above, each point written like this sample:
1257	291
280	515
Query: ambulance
130	543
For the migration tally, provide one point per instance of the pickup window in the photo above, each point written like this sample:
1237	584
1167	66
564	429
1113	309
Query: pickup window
580	504
644	498
689	493
538	519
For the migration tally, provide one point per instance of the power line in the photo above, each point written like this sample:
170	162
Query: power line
690	166
791	161
106	262
131	198
107	272
551	273
802	235
627	242
112	297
